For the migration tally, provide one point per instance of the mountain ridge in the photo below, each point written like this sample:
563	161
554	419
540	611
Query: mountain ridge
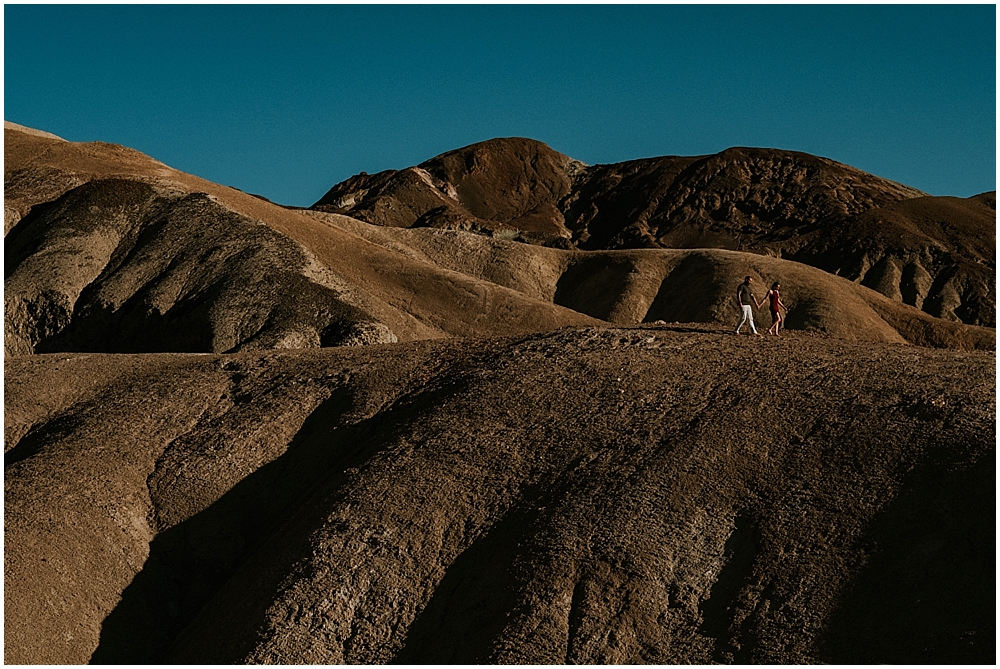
766	201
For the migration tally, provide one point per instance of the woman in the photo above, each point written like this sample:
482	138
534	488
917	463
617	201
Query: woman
775	298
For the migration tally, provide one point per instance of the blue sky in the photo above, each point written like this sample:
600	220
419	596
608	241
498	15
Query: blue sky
284	101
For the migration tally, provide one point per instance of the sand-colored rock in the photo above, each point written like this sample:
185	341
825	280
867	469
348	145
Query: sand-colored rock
155	260
629	287
193	266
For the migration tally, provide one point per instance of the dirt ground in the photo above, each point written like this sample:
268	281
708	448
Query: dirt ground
673	494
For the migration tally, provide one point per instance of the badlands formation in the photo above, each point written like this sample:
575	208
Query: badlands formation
490	409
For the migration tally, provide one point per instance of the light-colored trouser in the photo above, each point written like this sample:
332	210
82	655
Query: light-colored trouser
747	316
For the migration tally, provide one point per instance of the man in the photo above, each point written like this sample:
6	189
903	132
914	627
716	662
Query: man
745	301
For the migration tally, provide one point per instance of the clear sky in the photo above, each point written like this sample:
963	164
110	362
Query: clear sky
285	101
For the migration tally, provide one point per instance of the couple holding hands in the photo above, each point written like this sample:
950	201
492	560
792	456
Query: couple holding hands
745	301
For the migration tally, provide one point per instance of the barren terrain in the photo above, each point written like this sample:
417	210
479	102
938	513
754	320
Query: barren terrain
934	253
241	432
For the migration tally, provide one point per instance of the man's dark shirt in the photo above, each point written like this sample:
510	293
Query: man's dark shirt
746	297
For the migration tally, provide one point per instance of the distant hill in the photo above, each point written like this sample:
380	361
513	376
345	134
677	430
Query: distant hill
933	253
514	184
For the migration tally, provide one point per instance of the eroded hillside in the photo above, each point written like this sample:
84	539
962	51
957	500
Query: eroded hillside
130	255
670	495
629	287
116	266
133	256
937	254
237	432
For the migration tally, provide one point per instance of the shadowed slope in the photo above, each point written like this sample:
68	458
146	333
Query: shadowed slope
115	266
733	199
590	495
142	257
935	253
39	167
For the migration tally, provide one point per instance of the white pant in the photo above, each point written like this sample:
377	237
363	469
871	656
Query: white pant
747	316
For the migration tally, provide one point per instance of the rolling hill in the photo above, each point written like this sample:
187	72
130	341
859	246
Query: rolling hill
131	256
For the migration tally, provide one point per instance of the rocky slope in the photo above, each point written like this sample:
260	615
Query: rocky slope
501	185
698	285
937	254
114	265
665	495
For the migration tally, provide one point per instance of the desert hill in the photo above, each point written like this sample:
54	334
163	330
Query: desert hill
666	495
109	250
937	254
132	256
241	432
499	184
629	287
